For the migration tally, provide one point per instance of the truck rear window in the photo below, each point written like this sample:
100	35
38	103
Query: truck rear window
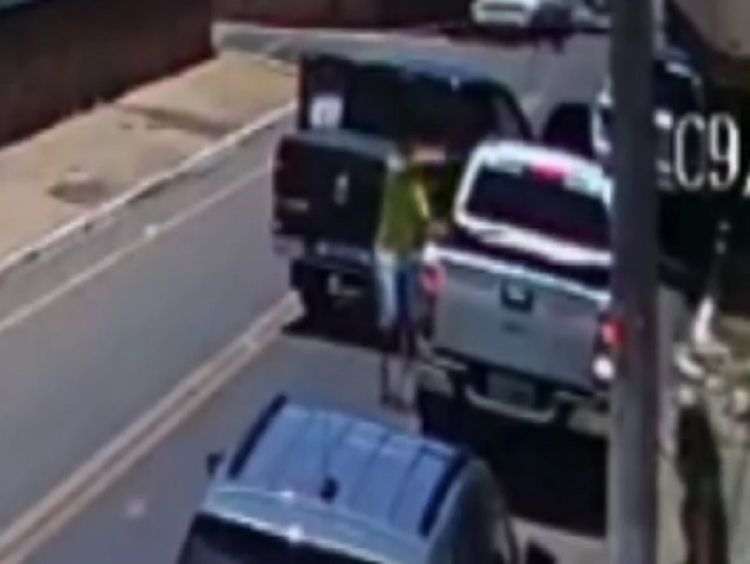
540	205
427	110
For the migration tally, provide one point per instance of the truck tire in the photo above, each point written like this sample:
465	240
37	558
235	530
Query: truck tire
315	298
444	418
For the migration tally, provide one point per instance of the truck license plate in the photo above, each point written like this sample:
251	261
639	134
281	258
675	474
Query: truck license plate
517	297
510	390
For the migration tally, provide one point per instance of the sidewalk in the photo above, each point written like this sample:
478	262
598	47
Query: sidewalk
54	176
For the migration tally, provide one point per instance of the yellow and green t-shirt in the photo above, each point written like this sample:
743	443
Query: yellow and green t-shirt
405	213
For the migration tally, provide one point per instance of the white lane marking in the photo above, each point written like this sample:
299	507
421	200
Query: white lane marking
48	245
150	234
69	498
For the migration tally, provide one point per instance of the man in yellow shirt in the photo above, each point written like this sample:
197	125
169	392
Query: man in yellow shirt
405	219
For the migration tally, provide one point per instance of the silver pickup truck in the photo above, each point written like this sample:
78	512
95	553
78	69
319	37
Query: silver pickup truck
518	290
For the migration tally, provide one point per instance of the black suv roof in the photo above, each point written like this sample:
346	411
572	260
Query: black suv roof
433	68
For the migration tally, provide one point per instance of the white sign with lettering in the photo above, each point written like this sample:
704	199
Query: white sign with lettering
326	111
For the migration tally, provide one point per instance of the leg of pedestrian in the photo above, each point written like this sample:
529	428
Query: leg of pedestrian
385	284
410	298
406	289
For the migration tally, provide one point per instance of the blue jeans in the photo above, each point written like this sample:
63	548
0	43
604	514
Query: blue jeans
395	279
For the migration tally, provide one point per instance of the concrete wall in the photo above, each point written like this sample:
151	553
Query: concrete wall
356	13
63	55
59	56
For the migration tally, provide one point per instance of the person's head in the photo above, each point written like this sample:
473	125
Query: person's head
424	154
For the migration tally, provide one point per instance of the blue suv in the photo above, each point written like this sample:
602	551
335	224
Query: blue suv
312	486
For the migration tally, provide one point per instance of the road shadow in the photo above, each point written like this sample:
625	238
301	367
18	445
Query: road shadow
569	127
551	475
350	323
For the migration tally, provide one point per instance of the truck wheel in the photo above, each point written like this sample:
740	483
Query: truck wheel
431	418
315	299
443	418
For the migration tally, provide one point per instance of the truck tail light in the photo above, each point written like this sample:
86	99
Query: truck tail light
611	333
548	173
609	341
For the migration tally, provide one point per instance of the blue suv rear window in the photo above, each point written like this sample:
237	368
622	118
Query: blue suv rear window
215	541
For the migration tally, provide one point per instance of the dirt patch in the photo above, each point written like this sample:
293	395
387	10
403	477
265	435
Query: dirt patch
81	189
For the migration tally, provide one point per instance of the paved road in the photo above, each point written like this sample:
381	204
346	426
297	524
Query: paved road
79	364
143	518
106	349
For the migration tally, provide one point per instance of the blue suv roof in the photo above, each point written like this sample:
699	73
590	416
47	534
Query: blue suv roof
338	481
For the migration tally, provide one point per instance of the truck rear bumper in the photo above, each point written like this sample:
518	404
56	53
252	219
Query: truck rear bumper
448	383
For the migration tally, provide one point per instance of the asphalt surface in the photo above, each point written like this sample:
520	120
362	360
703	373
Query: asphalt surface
115	344
79	364
145	517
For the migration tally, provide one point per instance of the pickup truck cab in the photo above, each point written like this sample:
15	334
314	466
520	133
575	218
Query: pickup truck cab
356	112
408	98
518	291
309	485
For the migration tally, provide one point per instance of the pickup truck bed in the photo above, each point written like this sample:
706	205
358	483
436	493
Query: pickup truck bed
511	312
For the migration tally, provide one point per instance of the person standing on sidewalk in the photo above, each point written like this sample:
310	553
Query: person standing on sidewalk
404	223
703	515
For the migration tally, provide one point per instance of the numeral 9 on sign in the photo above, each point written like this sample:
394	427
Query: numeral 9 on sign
715	159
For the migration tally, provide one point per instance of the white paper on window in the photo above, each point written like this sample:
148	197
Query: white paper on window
326	111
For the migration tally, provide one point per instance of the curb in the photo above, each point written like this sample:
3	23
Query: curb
103	214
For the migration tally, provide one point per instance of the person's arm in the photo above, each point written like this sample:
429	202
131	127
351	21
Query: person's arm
423	202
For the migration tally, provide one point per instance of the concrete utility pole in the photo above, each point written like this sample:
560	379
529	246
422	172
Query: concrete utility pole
660	16
633	443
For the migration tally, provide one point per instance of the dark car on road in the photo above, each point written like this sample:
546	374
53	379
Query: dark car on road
309	485
407	98
356	114
686	215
